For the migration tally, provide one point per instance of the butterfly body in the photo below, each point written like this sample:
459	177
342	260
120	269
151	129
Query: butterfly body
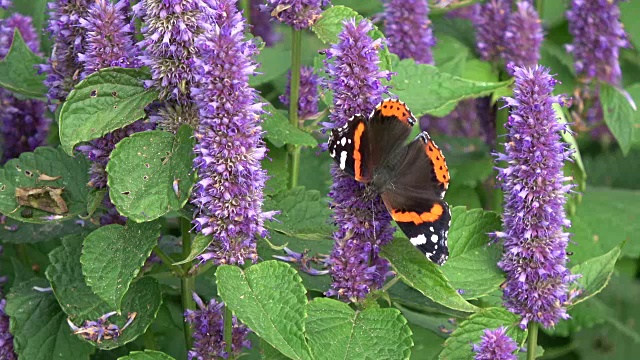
410	178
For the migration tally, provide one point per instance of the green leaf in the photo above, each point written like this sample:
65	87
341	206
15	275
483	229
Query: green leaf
270	299
37	10
274	62
573	168
39	326
303	214
28	233
423	275
280	132
335	331
143	170
146	355
472	260
458	345
427	90
619	115
450	55
104	101
595	274
629	13
95	199
276	165
25	171
199	245
113	255
583	316
17	70
80	303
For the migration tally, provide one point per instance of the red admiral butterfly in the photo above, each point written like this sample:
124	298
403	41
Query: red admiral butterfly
411	178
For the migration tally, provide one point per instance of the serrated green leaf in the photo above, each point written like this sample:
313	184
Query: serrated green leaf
472	260
37	10
458	345
427	90
80	303
270	299
595	274
17	70
146	355
144	169
28	233
274	62
95	199
104	101
618	115
423	275
270	353
276	165
113	255
303	214
24	172
39	326
280	132
199	245
335	331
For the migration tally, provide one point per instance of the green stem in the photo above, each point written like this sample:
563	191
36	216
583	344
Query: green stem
294	151
187	283
246	7
540	7
532	340
167	260
228	330
391	282
502	116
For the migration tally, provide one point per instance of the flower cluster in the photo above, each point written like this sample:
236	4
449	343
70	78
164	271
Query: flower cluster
308	100
598	36
535	242
23	125
208	326
229	147
515	37
299	14
108	37
99	330
63	68
363	221
261	24
5	4
408	31
495	345
170	29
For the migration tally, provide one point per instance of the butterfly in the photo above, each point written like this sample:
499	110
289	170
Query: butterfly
411	178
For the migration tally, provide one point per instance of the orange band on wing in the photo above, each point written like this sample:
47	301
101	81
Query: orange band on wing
418	218
395	108
357	155
439	164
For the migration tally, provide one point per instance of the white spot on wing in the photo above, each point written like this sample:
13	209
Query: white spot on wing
434	237
431	229
418	240
343	141
343	160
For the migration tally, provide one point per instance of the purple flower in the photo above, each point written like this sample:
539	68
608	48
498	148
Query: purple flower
208	326
407	28
463	121
170	29
261	24
108	37
23	125
308	100
5	4
363	222
523	37
300	14
491	24
99	330
598	36
229	194
305	261
535	242
63	68
495	345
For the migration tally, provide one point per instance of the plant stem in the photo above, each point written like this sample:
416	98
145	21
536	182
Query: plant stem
389	284
540	7
294	151
187	283
228	330
246	7
502	116
167	260
532	340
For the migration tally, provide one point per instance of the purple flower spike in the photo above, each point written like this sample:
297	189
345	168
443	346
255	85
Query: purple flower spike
23	125
598	36
63	69
364	224
308	100
299	14
5	4
109	37
534	219
495	345
229	194
523	37
408	30
208	326
261	24
491	24
170	29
